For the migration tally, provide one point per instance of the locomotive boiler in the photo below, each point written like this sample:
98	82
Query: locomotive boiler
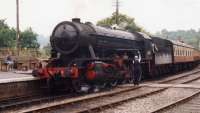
78	40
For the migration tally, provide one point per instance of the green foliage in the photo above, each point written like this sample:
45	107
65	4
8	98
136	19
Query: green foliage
8	37
191	37
3	25
28	39
126	22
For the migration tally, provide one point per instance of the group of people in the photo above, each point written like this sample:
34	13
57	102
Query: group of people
8	61
134	66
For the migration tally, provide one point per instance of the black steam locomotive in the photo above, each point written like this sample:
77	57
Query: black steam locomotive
85	54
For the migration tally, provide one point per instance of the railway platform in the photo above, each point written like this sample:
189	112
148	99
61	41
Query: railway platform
18	83
8	77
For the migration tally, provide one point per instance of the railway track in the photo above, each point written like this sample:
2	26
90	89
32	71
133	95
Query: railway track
29	101
23	105
175	79
189	104
76	105
95	103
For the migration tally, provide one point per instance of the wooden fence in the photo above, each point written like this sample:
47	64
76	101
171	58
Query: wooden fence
27	57
22	52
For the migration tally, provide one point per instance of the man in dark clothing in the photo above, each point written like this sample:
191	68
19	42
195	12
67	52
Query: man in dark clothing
137	70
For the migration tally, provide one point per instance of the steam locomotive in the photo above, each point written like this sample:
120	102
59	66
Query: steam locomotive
85	54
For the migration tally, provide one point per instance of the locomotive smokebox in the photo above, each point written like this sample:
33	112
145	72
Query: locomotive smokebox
65	37
77	20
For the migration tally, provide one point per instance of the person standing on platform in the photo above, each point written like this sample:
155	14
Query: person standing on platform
137	70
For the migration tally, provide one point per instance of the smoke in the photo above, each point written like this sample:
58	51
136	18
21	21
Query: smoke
80	7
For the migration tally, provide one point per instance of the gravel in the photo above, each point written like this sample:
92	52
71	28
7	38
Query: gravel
152	102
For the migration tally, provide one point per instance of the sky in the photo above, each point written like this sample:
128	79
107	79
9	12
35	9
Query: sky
152	15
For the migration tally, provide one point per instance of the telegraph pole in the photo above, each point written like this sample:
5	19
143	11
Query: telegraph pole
17	29
117	12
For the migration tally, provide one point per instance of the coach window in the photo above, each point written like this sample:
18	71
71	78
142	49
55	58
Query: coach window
182	52
177	52
187	53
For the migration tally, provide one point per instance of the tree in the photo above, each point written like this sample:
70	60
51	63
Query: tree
126	22
28	39
3	25
7	35
191	37
7	38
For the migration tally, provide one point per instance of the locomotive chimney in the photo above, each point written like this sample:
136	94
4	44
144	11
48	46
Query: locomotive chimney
77	20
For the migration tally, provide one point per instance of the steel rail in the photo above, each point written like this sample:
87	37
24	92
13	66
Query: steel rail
173	104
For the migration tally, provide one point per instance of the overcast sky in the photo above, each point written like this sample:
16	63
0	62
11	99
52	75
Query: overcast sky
152	15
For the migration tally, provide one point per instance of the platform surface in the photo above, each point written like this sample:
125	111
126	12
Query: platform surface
7	77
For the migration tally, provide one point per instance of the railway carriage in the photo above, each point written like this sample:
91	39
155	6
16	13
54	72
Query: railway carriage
184	56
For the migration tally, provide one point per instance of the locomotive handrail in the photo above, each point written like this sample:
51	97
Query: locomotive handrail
97	59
